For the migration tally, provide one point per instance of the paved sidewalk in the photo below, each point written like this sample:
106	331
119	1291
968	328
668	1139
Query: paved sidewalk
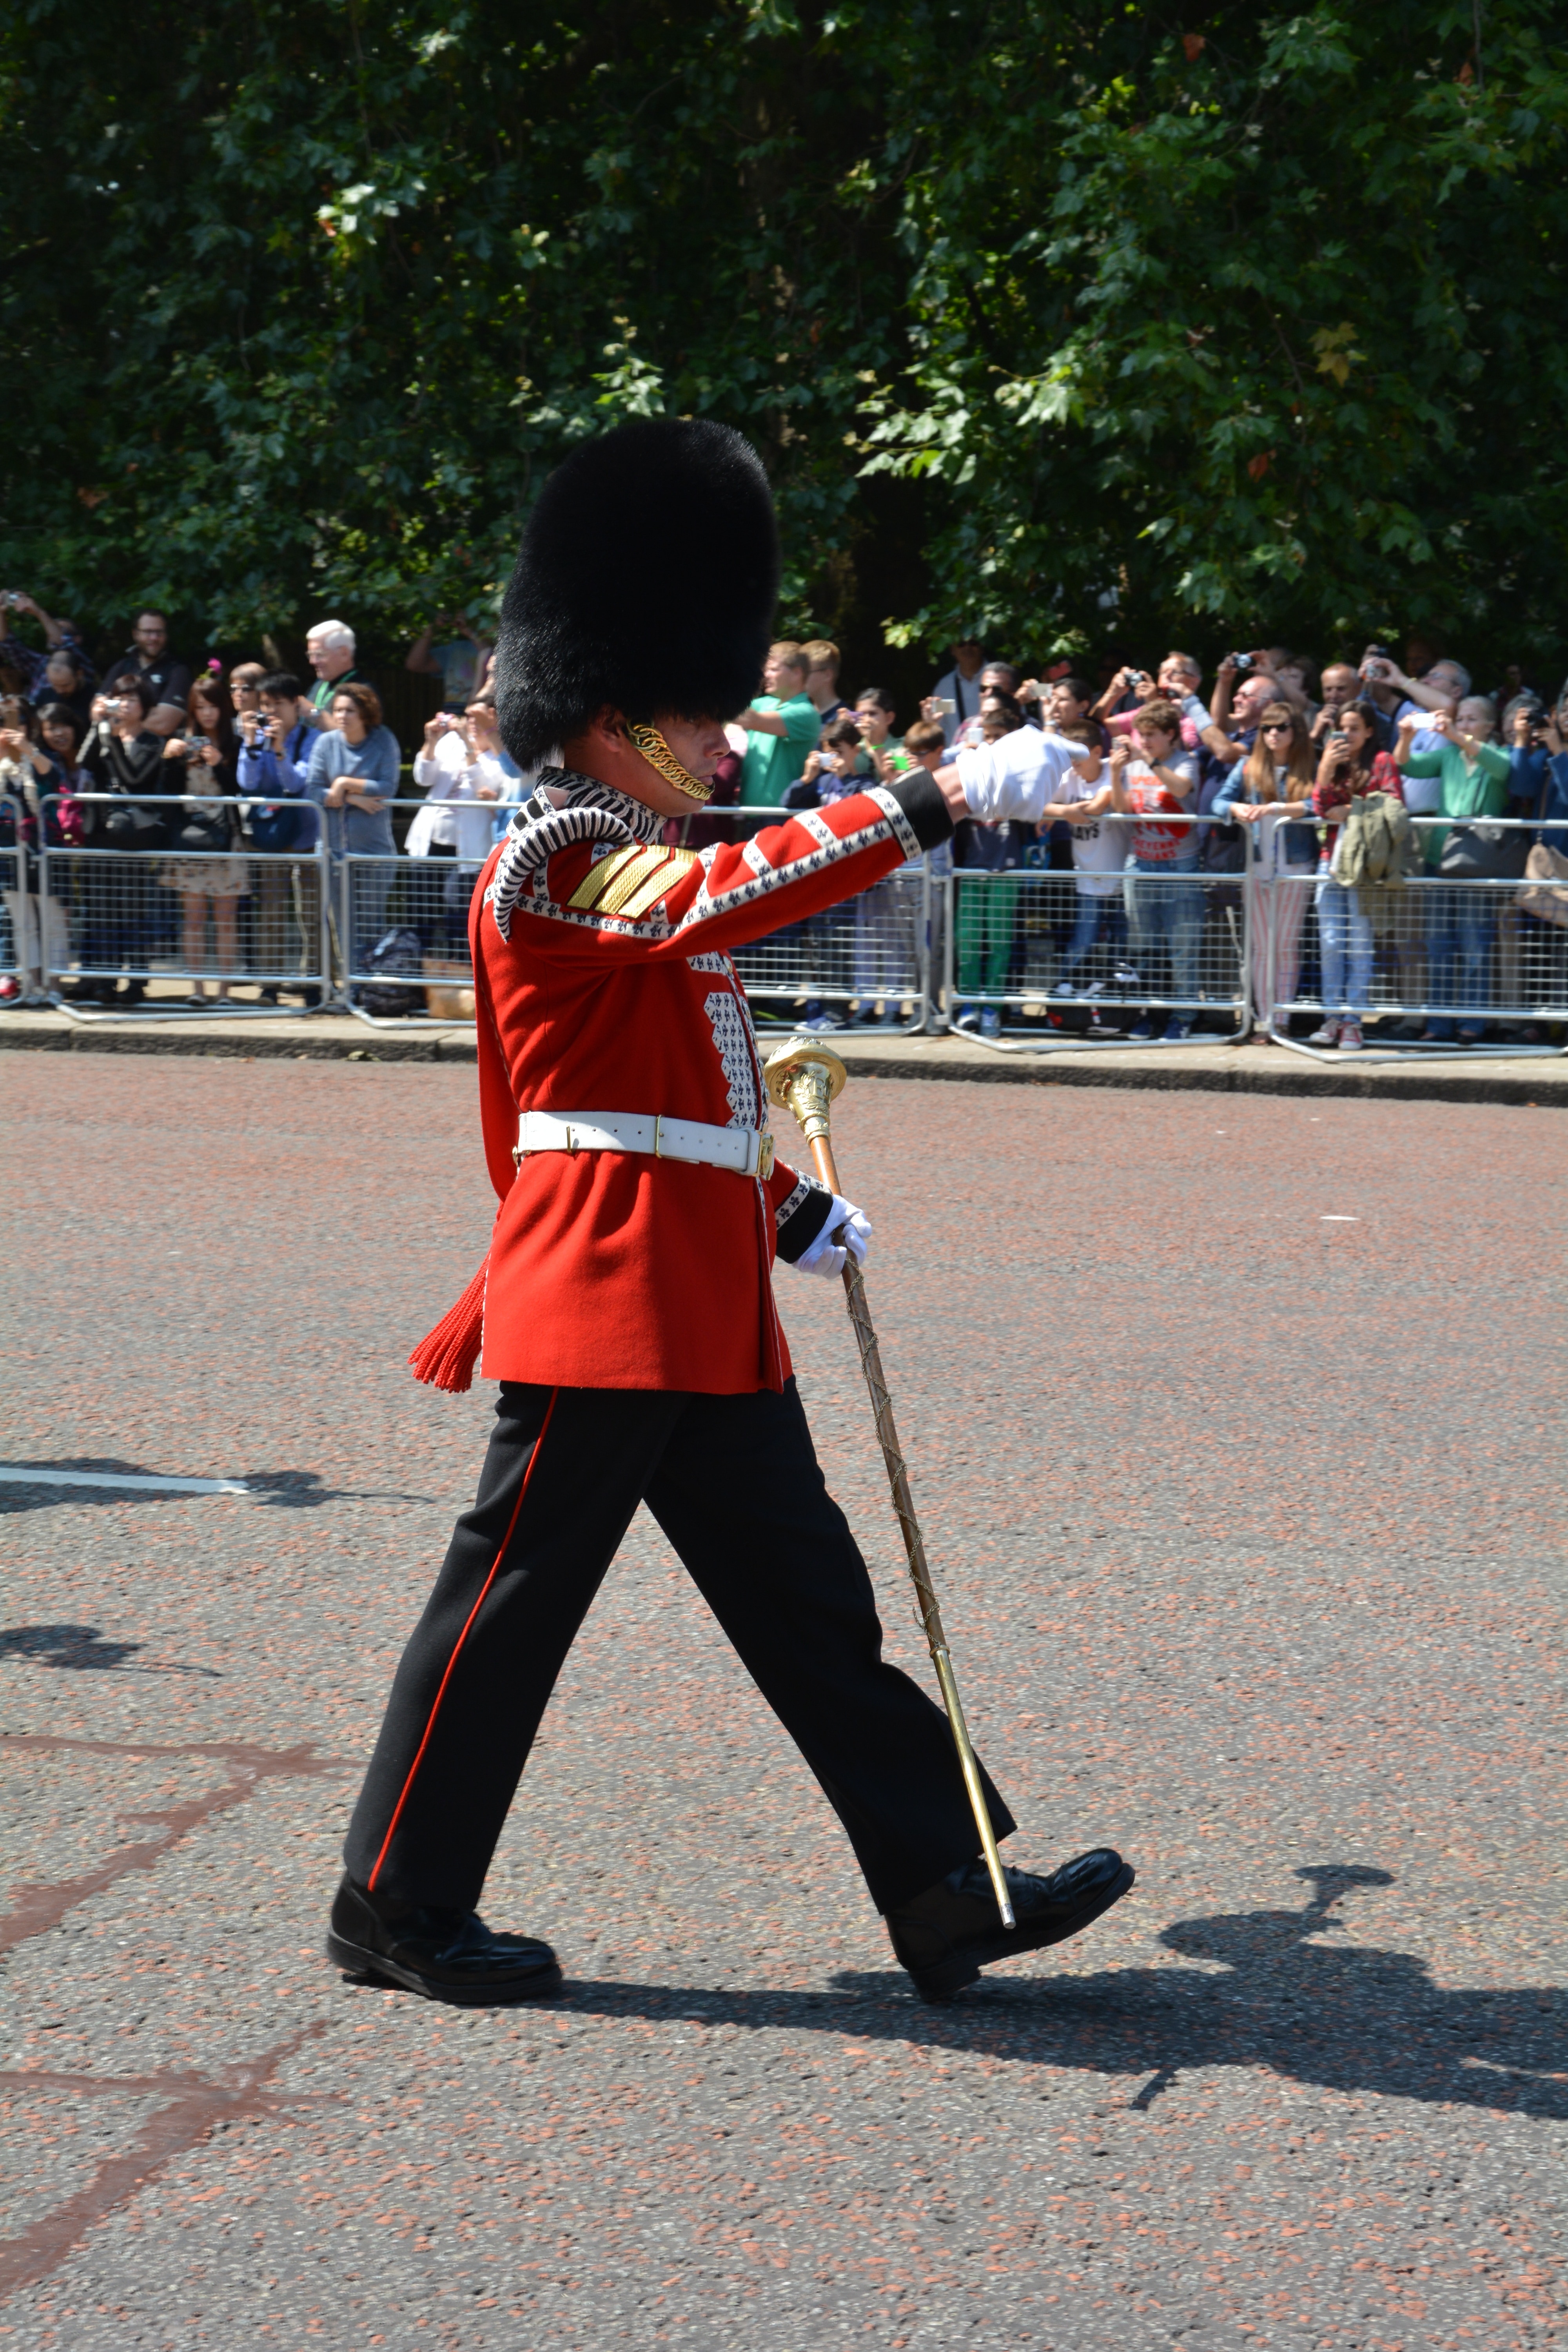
1455	1076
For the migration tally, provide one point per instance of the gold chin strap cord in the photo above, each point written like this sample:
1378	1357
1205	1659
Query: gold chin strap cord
659	755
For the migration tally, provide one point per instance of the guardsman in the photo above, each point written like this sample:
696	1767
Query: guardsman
626	1306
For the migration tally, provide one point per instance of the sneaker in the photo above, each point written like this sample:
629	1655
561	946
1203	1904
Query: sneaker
1177	1027
820	1021
1095	991
968	1019
1351	1040
991	1022
1125	977
1329	1034
1144	1028
1067	993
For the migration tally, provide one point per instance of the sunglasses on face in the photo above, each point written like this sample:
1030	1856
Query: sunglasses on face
1277	727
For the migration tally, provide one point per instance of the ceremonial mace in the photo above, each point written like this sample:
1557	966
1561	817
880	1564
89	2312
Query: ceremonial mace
805	1078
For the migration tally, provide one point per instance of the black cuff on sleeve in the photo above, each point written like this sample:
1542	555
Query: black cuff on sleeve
919	795
801	1218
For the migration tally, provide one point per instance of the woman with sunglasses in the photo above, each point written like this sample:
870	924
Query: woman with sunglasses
1269	792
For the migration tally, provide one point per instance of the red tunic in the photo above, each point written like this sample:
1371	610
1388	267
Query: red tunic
602	984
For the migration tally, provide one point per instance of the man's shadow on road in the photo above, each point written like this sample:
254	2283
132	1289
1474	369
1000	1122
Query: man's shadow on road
1347	2020
277	1490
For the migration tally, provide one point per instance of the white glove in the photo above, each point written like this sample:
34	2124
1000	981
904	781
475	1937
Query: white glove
847	1230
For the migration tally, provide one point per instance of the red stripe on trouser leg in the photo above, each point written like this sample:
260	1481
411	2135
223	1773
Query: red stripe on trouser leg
457	1650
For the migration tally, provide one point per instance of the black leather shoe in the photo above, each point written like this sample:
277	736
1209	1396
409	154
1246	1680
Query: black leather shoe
945	1936
444	1955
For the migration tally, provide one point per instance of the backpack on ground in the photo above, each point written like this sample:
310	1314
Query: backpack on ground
396	957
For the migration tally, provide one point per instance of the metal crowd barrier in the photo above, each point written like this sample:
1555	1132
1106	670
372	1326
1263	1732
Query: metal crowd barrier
143	917
401	925
403	958
1071	961
1077	960
1441	954
16	919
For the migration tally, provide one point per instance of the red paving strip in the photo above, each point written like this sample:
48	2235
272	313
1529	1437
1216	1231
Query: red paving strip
42	1907
189	2106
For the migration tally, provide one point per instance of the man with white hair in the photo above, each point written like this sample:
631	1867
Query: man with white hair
329	650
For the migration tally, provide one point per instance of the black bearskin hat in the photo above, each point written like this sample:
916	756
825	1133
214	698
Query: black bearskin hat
647	580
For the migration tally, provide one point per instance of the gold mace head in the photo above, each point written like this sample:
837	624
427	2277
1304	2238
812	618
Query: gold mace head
805	1078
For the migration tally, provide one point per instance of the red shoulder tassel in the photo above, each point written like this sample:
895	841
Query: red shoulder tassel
446	1356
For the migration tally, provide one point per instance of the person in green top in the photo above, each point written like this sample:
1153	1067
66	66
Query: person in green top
1461	916
782	726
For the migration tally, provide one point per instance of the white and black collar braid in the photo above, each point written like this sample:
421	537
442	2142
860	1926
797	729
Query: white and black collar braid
591	811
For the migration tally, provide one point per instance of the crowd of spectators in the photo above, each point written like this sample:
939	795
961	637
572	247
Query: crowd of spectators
216	779
1154	797
1153	791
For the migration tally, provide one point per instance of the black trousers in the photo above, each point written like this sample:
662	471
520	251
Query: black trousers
733	1481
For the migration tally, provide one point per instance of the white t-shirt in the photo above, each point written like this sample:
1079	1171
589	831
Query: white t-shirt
1018	776
1099	844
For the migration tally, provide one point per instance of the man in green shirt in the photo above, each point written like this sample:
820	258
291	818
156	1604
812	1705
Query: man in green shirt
1461	916
781	726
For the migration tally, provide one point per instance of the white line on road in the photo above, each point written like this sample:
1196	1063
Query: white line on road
20	1474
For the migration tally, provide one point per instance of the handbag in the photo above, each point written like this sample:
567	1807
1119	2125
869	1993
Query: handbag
1545	892
135	827
1485	853
207	834
274	825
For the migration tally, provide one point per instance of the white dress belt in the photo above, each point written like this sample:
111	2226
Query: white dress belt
745	1150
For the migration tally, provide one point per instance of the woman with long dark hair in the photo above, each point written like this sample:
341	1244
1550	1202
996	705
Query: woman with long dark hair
210	753
1350	767
1269	792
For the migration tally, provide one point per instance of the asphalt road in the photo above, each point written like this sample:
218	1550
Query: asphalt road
1237	1424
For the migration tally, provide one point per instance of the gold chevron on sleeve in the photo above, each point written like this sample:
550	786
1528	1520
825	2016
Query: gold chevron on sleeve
655	884
606	871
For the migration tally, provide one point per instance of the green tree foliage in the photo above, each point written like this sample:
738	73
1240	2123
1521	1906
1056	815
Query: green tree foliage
1230	322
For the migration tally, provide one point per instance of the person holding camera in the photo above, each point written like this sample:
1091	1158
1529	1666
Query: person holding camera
39	774
1157	780
1351	765
276	741
123	758
208	754
1472	777
463	782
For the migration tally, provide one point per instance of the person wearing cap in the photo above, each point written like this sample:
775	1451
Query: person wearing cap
626	1306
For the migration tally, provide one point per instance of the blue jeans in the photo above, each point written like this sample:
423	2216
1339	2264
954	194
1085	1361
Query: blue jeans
1094	916
1459	929
1343	923
1171	909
